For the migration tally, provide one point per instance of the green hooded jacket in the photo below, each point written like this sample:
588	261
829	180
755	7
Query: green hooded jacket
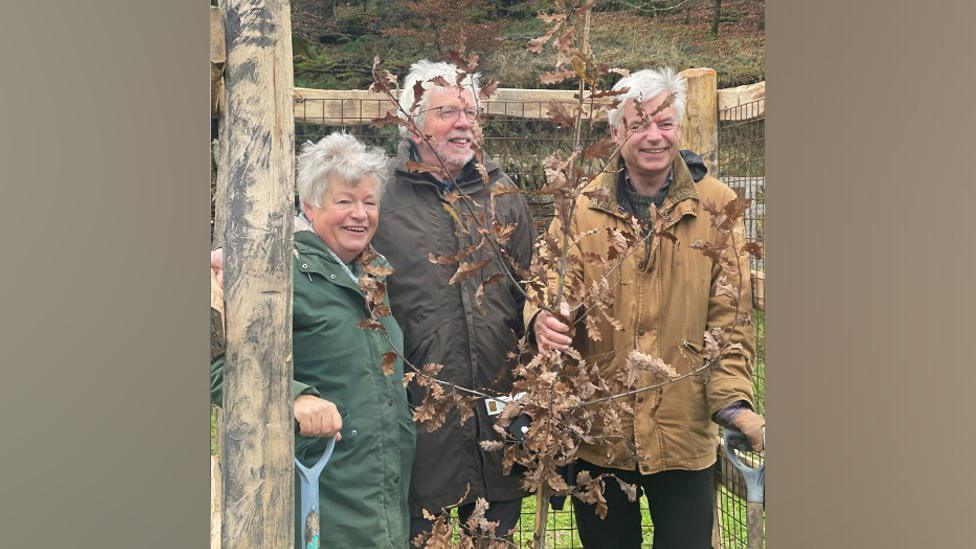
363	489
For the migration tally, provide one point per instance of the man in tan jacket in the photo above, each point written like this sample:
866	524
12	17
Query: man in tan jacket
667	295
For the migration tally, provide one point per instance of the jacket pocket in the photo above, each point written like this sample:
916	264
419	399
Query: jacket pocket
408	434
683	402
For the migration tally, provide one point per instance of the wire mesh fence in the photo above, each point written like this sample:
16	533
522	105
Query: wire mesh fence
518	137
741	139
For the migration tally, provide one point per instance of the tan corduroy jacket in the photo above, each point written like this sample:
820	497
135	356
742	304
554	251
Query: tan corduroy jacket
665	297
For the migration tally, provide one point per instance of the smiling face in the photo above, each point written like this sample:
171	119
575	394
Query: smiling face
648	150
347	218
450	138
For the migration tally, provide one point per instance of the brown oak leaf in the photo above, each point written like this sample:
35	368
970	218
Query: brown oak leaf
379	270
491	445
387	120
555	77
370	324
467	270
713	251
653	364
755	249
610	93
389	361
601	149
535	45
432	369
479	294
590	490
382	79
418	95
731	213
440	81
488	89
667	234
466	64
417	167
483	172
724	287
551	18
630	490
559	114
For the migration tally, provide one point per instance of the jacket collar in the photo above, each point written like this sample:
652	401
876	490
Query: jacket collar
681	189
468	181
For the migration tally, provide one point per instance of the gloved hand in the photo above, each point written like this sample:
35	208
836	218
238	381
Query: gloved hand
751	424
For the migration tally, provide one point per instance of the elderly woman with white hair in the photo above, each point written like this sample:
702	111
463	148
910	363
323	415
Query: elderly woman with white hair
339	387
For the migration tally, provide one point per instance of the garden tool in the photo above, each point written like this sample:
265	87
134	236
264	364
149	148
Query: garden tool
310	496
755	479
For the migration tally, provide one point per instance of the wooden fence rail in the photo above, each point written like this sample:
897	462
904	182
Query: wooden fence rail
352	107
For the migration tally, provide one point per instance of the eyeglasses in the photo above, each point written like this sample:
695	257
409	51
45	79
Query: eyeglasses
450	114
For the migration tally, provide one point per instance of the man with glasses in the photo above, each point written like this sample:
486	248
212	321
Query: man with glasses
423	215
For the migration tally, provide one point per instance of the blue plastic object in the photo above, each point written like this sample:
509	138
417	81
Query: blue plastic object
755	478
310	496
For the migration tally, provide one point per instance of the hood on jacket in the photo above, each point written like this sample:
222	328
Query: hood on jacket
302	224
311	240
695	165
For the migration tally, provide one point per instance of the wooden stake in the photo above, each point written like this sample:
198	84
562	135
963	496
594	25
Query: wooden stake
215	492
223	161
541	517
699	129
258	444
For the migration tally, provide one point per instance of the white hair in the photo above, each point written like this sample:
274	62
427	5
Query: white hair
424	71
648	84
338	156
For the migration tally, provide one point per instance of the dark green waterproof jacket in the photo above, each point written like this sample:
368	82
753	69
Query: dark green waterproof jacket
444	323
363	489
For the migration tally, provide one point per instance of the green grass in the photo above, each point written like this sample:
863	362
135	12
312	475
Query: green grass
759	375
561	526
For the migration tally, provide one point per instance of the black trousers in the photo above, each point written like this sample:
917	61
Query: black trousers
506	513
681	504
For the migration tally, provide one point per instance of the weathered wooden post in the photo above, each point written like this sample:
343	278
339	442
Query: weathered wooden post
218	110
699	129
258	444
699	132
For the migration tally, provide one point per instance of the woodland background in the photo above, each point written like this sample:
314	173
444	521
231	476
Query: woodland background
334	42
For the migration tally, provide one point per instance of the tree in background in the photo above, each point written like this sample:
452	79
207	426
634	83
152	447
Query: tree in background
462	25
311	18
653	7
716	16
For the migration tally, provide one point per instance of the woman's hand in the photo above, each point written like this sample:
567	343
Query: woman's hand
317	417
217	265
